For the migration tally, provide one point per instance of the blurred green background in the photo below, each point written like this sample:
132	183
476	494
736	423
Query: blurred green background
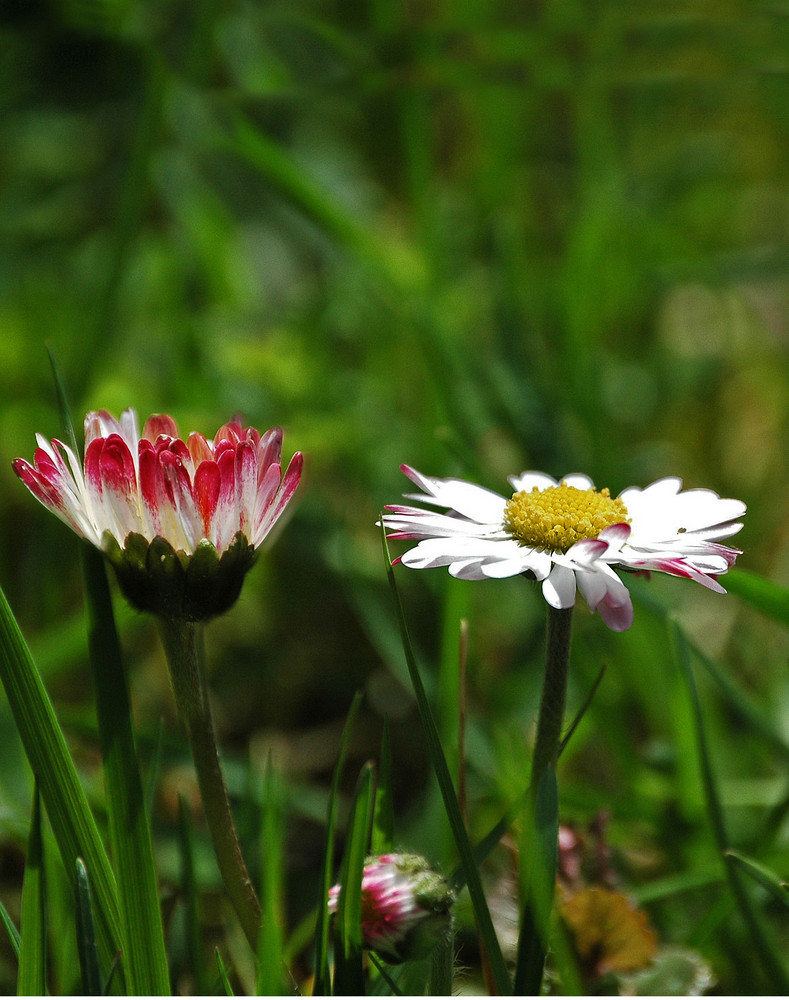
477	237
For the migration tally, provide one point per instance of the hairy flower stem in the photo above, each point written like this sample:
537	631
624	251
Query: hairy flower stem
182	642
539	848
554	694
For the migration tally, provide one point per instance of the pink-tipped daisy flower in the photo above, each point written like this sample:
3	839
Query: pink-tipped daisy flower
406	906
181	521
569	535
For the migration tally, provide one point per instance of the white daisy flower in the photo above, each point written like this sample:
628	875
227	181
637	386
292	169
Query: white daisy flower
569	535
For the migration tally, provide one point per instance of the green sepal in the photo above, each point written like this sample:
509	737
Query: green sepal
177	585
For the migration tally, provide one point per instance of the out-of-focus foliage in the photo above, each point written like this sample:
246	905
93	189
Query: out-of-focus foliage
479	238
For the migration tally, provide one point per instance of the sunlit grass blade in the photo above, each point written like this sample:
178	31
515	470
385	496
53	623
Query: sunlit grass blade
770	598
778	888
538	872
224	978
742	702
271	978
322	977
398	265
86	935
32	975
438	760
581	711
61	792
765	949
189	893
348	956
145	956
10	928
384	820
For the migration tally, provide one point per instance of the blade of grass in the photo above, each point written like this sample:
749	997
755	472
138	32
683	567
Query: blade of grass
138	892
10	927
438	760
224	979
322	974
271	980
190	895
32	973
61	792
742	702
778	888
770	598
348	964
86	935
483	848
383	822
764	948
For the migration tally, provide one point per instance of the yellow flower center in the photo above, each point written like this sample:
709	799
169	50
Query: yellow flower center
556	518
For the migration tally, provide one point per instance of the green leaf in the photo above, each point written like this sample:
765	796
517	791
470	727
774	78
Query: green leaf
13	933
778	888
140	910
438	760
223	976
349	968
383	821
538	874
271	966
764	947
32	975
86	935
322	976
189	894
61	792
770	598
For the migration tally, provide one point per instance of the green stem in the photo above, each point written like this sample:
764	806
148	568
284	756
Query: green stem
182	642
539	847
554	694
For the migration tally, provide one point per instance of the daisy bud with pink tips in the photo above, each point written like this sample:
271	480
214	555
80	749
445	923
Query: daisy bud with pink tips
180	520
568	535
406	906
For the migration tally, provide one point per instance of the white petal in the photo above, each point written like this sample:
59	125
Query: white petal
475	502
559	588
526	481
417	523
578	480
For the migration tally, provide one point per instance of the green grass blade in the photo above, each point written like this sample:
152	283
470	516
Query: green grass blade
86	935
742	702
398	265
322	975
224	978
189	894
438	760
348	964
777	888
770	598
32	975
61	792
145	958
271	978
10	927
769	957
384	820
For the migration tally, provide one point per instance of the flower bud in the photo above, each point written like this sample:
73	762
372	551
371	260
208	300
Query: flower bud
406	906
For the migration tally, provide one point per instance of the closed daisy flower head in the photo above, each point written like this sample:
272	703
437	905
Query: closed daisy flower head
406	906
569	535
181	521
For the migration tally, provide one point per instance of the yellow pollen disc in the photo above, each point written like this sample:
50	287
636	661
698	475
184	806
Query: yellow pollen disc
556	518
